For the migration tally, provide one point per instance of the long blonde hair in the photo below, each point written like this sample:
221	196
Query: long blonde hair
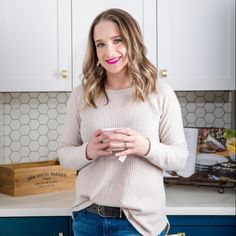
140	69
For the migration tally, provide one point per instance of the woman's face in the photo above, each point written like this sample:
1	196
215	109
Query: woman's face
110	48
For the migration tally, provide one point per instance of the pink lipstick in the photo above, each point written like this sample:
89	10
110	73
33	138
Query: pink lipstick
113	60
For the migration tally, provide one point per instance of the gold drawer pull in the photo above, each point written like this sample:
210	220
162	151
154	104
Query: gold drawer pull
64	75
178	234
164	73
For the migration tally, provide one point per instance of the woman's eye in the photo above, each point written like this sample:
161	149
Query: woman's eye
99	45
117	40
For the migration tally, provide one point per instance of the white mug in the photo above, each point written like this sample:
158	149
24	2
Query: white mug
120	145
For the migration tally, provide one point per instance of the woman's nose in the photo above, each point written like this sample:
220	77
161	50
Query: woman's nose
110	50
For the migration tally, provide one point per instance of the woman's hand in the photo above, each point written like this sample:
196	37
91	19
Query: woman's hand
97	147
134	142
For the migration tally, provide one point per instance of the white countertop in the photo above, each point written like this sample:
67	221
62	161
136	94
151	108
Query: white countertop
181	200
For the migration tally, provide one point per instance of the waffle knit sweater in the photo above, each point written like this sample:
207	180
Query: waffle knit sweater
135	185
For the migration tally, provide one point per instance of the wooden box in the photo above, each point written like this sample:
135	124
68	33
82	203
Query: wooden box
35	177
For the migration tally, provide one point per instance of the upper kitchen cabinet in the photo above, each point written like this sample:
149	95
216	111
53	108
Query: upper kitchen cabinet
83	13
35	45
196	44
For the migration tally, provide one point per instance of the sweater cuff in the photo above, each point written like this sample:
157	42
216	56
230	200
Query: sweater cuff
85	153
149	147
81	160
154	149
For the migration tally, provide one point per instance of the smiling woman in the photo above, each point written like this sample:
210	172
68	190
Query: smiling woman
116	195
111	53
116	58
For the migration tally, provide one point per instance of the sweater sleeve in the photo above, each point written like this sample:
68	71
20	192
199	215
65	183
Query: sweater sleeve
170	151
71	150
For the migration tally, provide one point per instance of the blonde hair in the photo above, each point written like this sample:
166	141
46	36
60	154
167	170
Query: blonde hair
140	69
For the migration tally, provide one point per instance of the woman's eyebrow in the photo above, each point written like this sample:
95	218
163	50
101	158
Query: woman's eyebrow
98	40
113	37
117	36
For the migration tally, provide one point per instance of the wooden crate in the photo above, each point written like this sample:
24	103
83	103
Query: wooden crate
35	177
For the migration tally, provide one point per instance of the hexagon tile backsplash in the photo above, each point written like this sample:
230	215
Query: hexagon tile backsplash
31	123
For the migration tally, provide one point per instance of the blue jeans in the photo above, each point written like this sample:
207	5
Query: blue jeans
86	224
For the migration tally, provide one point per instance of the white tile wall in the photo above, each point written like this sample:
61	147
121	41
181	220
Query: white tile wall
206	108
31	123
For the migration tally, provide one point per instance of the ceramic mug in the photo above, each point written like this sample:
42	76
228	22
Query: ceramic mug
119	145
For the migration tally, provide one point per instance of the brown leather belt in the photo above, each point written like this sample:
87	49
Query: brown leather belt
105	211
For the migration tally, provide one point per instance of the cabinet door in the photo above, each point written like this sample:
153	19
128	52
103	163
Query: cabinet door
196	44
35	45
35	226
143	11
203	225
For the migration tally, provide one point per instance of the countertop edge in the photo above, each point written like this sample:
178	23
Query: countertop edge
180	201
37	212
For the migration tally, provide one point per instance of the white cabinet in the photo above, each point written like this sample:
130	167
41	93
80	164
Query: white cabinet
83	13
196	44
35	45
193	41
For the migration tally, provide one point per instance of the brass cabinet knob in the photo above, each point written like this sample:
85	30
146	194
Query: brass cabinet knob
64	74
164	73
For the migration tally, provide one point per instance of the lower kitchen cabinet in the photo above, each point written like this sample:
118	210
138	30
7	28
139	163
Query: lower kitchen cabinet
203	225
53	226
35	226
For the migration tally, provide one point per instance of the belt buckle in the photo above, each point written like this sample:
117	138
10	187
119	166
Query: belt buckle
102	215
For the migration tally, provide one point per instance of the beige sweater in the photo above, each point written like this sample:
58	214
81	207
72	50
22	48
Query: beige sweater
137	184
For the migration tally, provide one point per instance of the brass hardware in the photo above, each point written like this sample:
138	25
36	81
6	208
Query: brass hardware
181	234
64	74
178	234
164	73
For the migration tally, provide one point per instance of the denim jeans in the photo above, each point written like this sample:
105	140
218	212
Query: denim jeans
86	224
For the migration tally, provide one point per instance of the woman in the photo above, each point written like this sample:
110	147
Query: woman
120	89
